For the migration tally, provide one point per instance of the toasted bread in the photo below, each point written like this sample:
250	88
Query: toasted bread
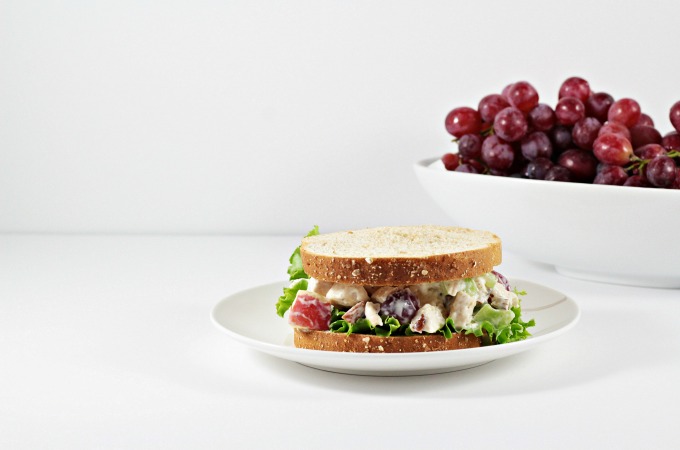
366	343
391	256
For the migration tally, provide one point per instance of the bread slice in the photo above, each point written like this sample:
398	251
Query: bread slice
366	343
392	256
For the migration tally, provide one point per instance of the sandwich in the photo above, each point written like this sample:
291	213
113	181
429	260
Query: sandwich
400	289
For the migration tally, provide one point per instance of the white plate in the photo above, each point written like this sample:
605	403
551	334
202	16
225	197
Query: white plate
250	317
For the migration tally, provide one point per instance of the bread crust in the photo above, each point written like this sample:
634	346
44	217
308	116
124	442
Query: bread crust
366	343
350	257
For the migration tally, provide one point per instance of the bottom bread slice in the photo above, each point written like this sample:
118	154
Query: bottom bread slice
366	343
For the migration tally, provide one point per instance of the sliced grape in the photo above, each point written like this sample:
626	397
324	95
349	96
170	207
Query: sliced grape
310	311
401	304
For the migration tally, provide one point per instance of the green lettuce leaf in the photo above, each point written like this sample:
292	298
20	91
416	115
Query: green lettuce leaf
497	317
390	326
492	325
289	293
500	326
295	270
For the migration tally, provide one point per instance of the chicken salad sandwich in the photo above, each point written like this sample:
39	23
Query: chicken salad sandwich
400	289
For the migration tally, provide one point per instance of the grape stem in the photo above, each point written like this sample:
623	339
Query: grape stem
638	164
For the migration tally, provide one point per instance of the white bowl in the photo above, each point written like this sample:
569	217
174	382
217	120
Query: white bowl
614	234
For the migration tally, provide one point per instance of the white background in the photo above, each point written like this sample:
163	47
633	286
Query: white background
268	117
263	118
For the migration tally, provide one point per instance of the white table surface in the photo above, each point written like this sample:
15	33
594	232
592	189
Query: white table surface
106	342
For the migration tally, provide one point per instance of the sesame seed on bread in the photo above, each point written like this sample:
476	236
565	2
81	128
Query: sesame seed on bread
402	255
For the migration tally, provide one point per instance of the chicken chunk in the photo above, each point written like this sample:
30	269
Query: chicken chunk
461	310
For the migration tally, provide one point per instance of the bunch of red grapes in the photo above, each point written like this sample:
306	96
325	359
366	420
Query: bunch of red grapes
587	137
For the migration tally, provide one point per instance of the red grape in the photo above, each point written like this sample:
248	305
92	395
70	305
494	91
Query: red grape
611	175
613	149
581	164
649	151
470	146
614	128
625	111
675	116
645	120
505	92
642	135
661	171
491	105
575	87
598	105
561	137
402	305
536	145
585	132
671	141
569	110
462	121
537	169
542	117
497	154
558	173
451	161
467	168
510	124
676	183
586	137
523	96
309	311
636	180
477	164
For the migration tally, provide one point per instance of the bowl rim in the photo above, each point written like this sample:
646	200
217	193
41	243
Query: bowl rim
424	164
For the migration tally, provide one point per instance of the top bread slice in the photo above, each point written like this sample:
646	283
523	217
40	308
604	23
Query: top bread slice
397	256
